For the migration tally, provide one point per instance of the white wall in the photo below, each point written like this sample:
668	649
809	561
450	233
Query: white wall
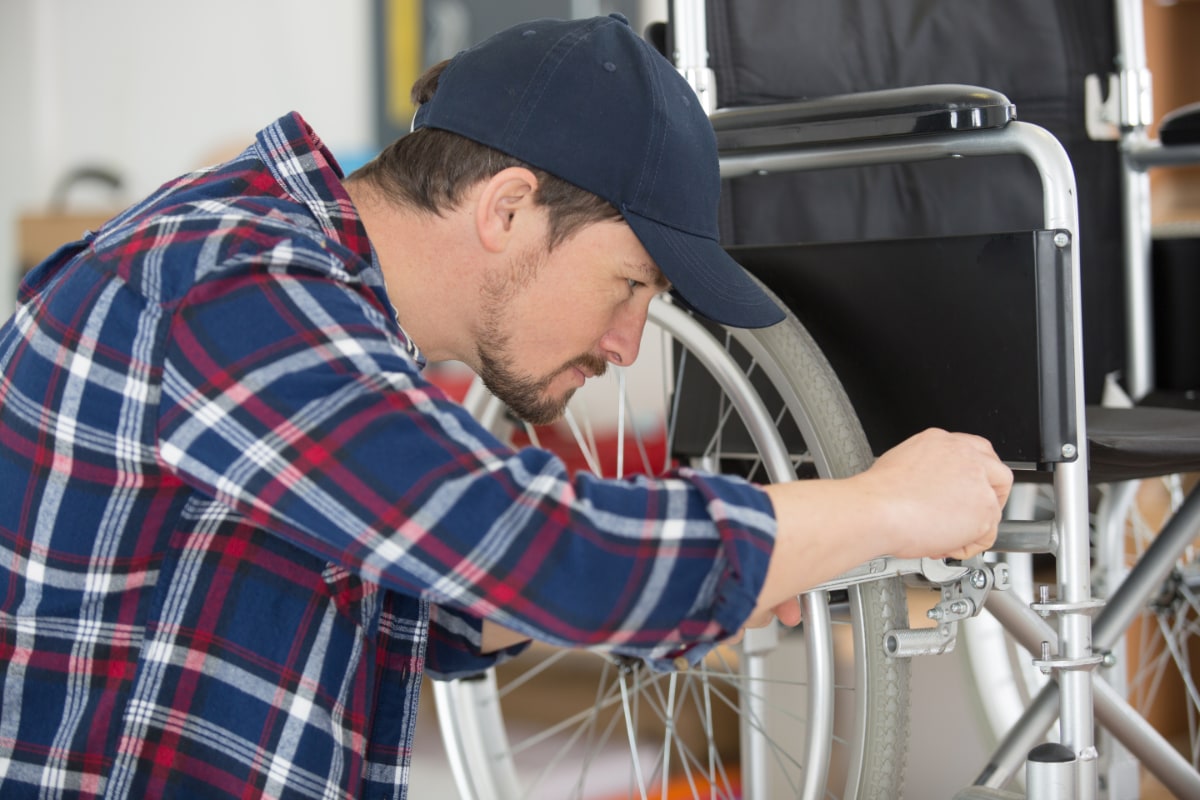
150	89
16	134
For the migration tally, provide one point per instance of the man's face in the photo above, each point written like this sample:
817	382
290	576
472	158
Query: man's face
558	318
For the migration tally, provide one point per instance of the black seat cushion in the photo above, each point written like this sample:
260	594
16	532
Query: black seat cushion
1141	442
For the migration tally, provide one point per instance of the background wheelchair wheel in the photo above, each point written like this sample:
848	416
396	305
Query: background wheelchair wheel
770	718
1156	665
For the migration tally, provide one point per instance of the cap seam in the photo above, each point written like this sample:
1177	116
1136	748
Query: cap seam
672	226
716	288
717	291
658	141
510	135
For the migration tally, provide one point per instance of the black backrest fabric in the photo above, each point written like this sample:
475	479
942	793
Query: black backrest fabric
1037	52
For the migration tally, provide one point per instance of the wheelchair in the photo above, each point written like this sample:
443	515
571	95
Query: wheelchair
893	328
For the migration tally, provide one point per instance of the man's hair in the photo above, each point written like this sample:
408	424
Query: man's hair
430	169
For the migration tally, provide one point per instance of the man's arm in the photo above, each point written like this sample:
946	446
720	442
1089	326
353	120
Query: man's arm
937	495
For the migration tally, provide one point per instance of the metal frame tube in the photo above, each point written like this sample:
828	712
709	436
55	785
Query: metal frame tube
1139	291
1060	210
1147	154
1117	716
1020	536
690	28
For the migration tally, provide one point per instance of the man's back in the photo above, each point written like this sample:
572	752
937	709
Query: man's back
149	633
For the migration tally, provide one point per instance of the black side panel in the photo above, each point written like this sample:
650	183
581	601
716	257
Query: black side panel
1176	317
929	332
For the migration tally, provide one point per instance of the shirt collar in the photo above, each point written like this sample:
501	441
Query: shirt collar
308	172
409	345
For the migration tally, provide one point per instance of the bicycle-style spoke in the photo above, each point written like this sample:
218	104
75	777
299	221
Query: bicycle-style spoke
577	720
668	733
542	666
531	432
586	448
630	722
639	438
1161	642
673	402
595	746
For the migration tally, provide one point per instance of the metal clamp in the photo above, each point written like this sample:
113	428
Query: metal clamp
1045	606
961	598
1127	103
935	570
1048	663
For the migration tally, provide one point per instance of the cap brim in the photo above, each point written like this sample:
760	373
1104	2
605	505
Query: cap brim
705	277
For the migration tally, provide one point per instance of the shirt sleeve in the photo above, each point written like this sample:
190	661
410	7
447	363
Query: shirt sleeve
289	396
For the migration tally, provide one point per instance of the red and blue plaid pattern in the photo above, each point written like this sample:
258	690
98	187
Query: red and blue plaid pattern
237	525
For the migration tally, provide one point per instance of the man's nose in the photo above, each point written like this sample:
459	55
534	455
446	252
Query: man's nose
624	339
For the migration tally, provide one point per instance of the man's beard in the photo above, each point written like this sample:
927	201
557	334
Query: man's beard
527	396
524	395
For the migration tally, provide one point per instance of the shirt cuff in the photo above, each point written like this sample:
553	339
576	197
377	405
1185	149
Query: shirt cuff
455	639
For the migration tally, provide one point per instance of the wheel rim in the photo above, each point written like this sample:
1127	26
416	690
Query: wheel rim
678	724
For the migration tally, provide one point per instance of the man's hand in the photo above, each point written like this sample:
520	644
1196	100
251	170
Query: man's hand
937	495
944	493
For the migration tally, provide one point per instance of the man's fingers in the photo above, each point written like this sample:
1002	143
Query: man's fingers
999	476
788	612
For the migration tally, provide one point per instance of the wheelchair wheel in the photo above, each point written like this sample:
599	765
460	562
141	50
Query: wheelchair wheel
787	713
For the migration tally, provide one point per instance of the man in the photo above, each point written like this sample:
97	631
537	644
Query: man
238	525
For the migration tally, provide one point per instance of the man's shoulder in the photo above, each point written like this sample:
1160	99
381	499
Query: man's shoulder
213	220
199	219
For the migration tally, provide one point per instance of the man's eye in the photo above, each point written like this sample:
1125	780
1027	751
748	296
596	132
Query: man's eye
634	284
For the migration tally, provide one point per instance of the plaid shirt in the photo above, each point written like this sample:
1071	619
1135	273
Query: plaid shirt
237	525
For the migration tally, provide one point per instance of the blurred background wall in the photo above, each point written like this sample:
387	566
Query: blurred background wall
144	90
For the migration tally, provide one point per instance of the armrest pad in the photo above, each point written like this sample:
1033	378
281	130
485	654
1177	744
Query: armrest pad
1181	126
912	111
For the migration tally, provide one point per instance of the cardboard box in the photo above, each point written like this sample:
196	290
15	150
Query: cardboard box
39	235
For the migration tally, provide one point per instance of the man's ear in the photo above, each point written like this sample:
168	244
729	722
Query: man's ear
506	208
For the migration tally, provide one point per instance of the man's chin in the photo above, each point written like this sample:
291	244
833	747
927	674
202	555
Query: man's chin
543	411
549	412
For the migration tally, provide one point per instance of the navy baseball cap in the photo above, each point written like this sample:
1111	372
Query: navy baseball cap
593	103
